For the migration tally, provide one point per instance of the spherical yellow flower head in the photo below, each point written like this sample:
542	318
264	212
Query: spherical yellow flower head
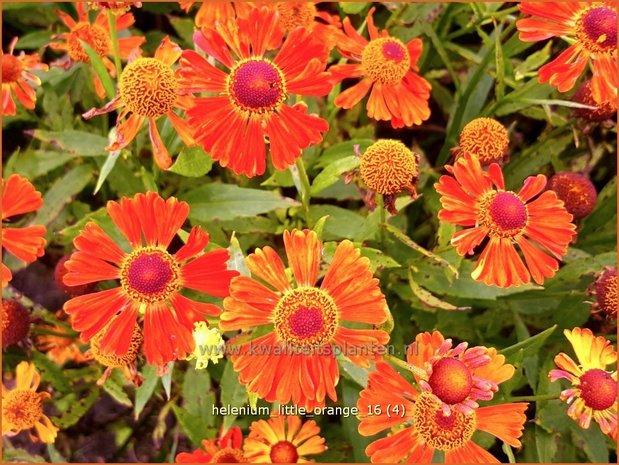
229	455
385	60
21	409
451	380
388	167
94	35
606	292
256	86
147	87
305	317
11	68
116	7
149	275
603	111
209	345
503	213
15	322
284	452
576	191
596	29
486	138
440	431
111	360
598	389
296	14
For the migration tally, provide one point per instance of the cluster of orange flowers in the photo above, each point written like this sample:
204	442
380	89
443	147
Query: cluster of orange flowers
232	97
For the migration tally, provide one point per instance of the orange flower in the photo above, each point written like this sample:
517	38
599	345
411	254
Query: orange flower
576	191
225	449
478	200
591	28
148	88
605	291
212	13
325	27
127	362
389	68
17	79
27	243
150	279
603	111
593	394
296	359
250	101
97	35
485	138
421	425
59	342
22	406
117	8
15	322
283	439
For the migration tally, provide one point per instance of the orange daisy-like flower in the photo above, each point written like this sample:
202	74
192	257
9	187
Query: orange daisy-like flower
212	13
603	110
150	279
478	200
27	243
22	406
127	362
485	138
605	291
593	394
388	67
250	101
15	322
283	439
97	35
591	29
296	360
17	79
59	342
421	425
322	25
225	449
117	8
148	88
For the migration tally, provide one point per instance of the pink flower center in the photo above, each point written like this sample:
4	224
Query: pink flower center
394	51
306	322
149	275
598	389
284	452
257	86
451	380
444	421
600	26
508	211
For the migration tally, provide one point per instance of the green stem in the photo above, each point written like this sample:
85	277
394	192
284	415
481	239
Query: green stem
380	204
305	189
533	398
111	18
406	366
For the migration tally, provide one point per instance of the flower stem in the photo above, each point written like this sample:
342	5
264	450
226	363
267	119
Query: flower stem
533	398
380	204
406	366
305	190
111	18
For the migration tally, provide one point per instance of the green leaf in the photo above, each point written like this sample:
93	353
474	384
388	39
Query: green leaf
198	397
237	259
51	372
342	150
146	389
354	372
233	394
107	167
114	387
428	299
33	40
100	70
80	143
333	172
532	62
194	426
227	201
531	345
74	408
546	445
353	8
340	224
166	379
192	162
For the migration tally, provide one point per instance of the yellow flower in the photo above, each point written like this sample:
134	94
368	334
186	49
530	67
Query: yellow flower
22	406
209	345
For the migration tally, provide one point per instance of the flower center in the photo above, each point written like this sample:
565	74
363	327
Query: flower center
451	380
257	86
503	213
576	191
228	455
385	60
486	138
284	452
149	275
11	68
21	409
606	292
598	389
148	87
306	317
94	35
110	359
438	430
388	166
295	14
596	29
15	322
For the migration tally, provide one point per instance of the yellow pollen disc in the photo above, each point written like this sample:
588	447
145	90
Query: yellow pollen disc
295	14
147	86
110	359
388	166
306	317
596	29
94	35
21	409
503	213
228	455
11	68
486	138
149	275
256	85
385	60
439	431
